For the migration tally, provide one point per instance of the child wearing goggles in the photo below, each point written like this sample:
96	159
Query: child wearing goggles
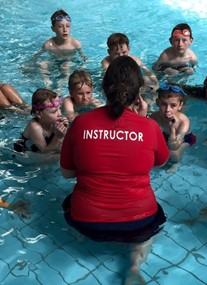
174	124
80	87
62	44
178	58
45	132
62	47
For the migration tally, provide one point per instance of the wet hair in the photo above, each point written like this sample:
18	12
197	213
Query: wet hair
60	12
79	77
121	84
39	96
165	94
181	27
117	39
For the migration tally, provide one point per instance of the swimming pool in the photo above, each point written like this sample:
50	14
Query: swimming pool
43	249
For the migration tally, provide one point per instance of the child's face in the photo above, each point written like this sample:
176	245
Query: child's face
169	106
50	115
62	29
82	95
118	50
181	43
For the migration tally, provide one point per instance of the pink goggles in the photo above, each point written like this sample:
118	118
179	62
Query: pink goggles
55	104
177	33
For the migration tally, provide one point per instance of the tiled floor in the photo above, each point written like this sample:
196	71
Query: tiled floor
44	250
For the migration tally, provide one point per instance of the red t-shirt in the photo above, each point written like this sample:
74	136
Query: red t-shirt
112	159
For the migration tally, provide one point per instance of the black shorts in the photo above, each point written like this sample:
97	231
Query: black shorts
146	228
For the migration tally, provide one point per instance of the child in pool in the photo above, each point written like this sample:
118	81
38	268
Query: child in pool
173	122
178	58
118	45
62	46
45	132
80	87
10	99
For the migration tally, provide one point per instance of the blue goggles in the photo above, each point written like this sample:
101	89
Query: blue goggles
174	88
61	17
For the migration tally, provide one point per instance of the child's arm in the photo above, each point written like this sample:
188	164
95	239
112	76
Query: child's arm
194	59
83	57
162	60
179	127
68	107
105	62
35	132
151	76
77	45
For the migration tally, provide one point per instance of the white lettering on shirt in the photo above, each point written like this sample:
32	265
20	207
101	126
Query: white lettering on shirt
112	135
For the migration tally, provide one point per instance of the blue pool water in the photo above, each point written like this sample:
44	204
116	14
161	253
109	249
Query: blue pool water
44	250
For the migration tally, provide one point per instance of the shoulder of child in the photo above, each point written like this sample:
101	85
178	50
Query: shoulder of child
48	44
31	127
137	59
68	104
184	124
192	54
76	43
105	62
166	53
183	117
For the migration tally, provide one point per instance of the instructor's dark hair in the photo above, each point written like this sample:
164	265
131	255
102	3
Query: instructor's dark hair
121	84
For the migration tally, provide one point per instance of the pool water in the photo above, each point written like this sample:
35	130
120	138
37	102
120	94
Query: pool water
43	249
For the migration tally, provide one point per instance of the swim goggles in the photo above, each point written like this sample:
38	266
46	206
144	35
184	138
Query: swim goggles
174	88
177	33
61	17
55	104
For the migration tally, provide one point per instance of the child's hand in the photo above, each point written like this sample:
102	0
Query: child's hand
64	120
173	122
61	127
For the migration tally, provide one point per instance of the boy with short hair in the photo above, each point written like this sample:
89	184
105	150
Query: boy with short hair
179	57
80	87
174	124
62	44
118	45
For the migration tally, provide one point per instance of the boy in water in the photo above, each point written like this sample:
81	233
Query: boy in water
178	58
118	45
80	86
62	46
174	124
